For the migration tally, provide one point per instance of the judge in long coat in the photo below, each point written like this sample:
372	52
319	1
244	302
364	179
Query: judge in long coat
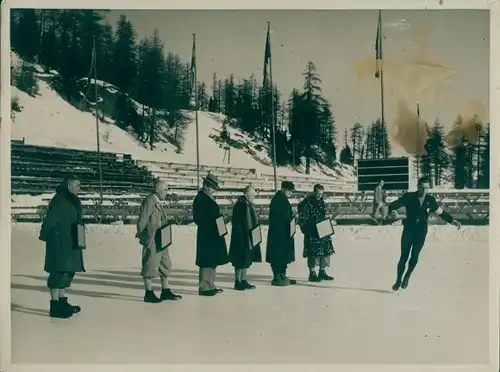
280	245
211	248
63	257
242	252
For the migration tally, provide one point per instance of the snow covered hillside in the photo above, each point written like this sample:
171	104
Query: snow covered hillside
49	120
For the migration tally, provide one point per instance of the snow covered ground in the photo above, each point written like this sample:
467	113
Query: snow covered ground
442	318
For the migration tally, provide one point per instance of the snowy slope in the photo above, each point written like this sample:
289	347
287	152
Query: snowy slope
51	121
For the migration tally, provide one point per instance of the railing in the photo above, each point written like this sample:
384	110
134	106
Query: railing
352	208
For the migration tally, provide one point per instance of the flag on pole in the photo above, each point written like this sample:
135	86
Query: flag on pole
378	45
267	56
192	74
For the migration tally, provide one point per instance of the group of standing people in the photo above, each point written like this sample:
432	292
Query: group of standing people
64	253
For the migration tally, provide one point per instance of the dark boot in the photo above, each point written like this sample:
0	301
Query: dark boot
324	276
247	285
239	286
207	293
167	294
74	308
396	285
151	298
280	281
59	310
291	281
406	279
313	277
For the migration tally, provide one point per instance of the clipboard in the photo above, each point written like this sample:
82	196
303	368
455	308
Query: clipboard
325	228
163	237
81	242
256	236
293	227
221	226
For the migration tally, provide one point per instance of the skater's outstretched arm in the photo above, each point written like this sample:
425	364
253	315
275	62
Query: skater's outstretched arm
445	216
398	203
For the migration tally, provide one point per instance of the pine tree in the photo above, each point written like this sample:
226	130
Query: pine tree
124	56
151	73
311	111
484	173
356	140
460	160
203	100
229	96
436	151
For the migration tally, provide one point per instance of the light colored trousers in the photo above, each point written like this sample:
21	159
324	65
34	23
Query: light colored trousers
206	278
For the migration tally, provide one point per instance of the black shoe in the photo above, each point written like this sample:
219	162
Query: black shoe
292	281
167	294
247	285
280	281
218	290
151	298
207	293
239	286
404	285
396	286
59	310
74	308
313	277
324	276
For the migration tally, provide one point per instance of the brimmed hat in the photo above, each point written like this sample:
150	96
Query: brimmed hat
288	185
211	180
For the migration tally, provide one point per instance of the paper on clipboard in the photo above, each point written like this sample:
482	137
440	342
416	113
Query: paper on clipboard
325	228
80	236
221	226
164	237
256	236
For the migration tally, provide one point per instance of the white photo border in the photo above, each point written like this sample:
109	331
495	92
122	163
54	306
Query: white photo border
5	169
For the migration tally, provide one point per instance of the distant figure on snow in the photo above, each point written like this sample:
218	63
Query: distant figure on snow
211	248
242	253
280	245
378	200
63	257
418	206
317	251
155	262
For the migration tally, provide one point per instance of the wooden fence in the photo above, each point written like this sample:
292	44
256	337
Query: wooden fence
470	207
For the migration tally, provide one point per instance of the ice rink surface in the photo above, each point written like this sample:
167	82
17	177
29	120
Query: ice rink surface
442	318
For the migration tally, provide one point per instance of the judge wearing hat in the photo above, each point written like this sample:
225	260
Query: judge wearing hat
280	244
211	248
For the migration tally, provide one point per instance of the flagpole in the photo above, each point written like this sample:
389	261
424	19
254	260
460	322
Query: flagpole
272	110
418	137
382	111
94	52
195	78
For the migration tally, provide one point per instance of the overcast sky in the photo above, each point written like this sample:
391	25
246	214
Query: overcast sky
341	44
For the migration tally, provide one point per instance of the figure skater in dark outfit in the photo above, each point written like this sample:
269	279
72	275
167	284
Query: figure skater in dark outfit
418	206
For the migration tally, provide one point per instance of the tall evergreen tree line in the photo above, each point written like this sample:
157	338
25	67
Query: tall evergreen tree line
155	90
304	123
157	82
467	164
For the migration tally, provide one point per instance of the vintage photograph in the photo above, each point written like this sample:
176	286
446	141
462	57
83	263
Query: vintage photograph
250	186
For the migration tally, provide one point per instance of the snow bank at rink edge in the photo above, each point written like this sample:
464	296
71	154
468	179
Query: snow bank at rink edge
436	233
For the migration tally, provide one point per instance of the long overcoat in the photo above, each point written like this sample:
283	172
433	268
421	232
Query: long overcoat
58	231
280	246
211	249
241	250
